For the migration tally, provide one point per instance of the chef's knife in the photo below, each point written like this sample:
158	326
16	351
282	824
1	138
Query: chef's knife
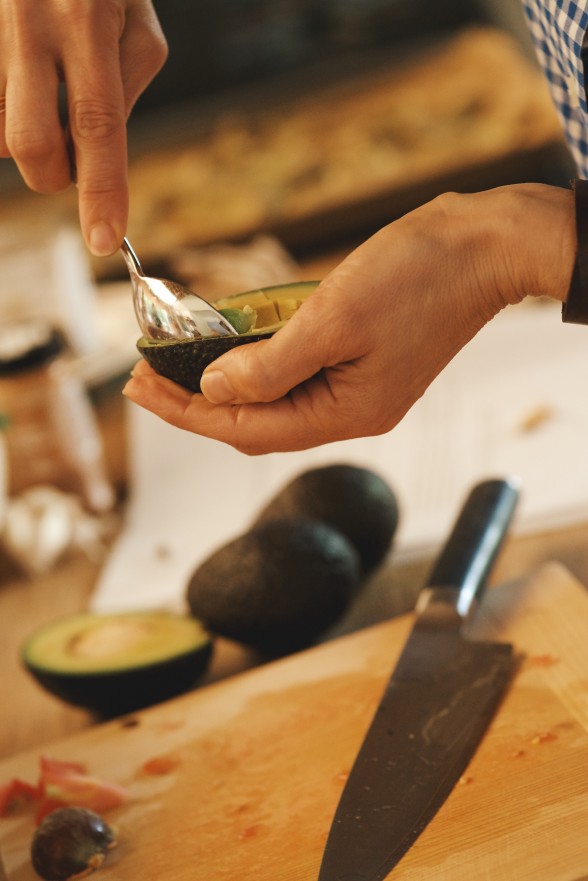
436	706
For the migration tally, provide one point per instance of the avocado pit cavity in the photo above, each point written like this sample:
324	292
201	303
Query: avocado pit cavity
111	638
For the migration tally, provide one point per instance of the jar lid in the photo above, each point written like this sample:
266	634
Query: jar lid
25	345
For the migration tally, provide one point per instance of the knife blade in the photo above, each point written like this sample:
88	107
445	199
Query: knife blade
436	706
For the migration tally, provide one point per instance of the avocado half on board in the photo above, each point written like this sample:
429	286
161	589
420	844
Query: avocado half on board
118	663
256	315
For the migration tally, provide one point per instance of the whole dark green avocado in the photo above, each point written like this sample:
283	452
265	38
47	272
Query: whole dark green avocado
278	587
353	500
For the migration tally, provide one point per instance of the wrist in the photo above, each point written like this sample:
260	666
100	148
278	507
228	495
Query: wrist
536	241
515	241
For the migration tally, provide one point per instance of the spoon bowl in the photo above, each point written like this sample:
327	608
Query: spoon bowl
167	310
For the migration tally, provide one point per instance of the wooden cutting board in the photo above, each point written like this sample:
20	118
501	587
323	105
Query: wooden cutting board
258	761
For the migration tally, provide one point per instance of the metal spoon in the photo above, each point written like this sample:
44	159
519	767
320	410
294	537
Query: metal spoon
166	310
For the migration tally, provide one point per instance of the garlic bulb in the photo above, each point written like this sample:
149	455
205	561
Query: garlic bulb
43	524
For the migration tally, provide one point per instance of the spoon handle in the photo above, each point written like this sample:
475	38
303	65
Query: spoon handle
131	258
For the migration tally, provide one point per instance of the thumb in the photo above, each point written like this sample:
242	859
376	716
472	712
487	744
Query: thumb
269	369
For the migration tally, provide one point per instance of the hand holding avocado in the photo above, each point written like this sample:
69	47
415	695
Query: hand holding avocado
368	342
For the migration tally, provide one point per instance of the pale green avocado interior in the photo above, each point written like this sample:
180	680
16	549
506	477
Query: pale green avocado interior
265	310
92	643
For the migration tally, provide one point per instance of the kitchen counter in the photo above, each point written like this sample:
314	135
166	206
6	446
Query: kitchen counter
32	718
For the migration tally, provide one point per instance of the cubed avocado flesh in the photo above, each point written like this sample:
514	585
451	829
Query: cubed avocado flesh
118	663
242	319
184	361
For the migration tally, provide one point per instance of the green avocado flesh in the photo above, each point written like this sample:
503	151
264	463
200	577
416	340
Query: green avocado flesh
256	315
118	663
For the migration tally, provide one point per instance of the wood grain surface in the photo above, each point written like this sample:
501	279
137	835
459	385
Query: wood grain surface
257	762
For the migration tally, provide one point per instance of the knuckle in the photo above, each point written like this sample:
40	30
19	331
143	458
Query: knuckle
241	436
36	154
86	18
150	34
4	151
247	448
156	48
162	49
448	205
30	146
255	375
245	444
97	183
95	121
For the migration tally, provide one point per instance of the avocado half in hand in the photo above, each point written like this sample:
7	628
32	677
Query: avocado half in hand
256	315
118	663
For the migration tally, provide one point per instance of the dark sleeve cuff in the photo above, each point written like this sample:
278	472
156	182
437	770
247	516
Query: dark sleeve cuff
575	309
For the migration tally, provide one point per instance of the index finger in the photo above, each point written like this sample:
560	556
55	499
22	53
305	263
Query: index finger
97	122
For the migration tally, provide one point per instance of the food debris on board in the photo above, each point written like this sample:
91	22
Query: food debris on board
543	661
536	418
71	838
60	784
544	737
160	765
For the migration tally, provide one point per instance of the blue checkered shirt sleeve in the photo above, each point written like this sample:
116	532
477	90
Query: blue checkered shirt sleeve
558	28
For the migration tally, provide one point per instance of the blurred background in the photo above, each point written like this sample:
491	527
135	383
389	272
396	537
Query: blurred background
278	136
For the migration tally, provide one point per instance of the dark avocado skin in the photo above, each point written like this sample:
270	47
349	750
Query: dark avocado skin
278	587
130	686
125	691
354	500
185	361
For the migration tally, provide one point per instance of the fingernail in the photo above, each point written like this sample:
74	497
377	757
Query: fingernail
216	387
102	240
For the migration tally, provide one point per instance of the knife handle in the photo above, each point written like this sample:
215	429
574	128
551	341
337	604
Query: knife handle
459	574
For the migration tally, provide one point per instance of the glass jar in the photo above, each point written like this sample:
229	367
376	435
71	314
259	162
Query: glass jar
51	433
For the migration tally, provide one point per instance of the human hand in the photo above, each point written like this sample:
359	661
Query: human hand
106	52
366	345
